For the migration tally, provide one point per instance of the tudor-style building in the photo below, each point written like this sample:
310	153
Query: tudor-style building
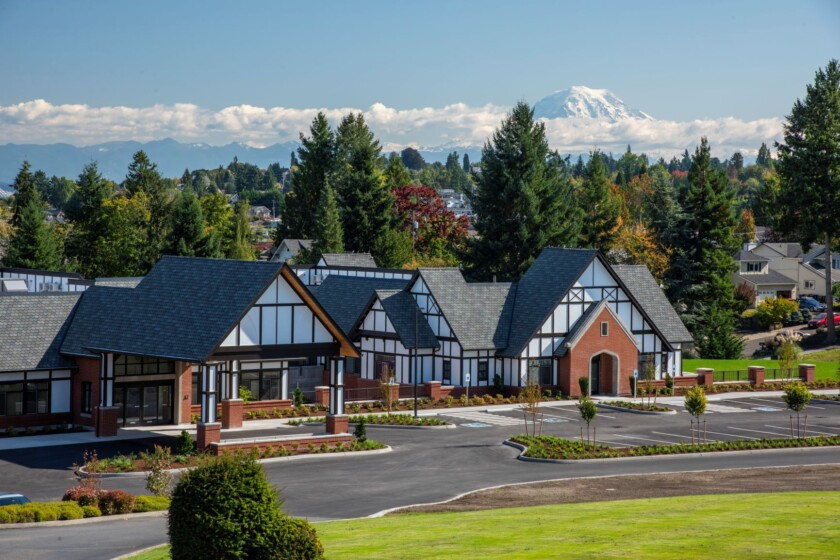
185	338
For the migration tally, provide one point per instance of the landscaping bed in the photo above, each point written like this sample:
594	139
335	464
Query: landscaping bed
107	502
549	447
825	370
635	406
381	420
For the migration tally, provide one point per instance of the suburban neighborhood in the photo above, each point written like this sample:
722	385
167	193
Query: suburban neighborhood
241	317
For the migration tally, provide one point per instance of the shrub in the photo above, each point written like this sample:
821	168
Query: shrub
360	433
82	495
774	310
35	512
184	444
158	463
151	503
112	502
226	508
297	397
91	511
245	394
584	386
498	385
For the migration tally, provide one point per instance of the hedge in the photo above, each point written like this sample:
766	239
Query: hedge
41	511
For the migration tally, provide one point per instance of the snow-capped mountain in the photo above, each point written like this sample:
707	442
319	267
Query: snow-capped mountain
587	103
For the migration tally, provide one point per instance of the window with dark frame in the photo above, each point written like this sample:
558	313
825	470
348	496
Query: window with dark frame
447	372
605	328
87	397
264	384
539	371
483	371
24	397
138	365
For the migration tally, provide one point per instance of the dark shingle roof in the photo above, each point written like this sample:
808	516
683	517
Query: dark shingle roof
403	313
642	285
33	327
479	314
345	297
181	310
553	273
119	282
362	260
771	277
746	256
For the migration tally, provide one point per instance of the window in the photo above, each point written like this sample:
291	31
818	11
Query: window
264	384
753	267
810	285
835	263
539	371
605	328
87	397
196	386
11	398
385	366
647	362
20	397
352	365
136	365
447	372
483	371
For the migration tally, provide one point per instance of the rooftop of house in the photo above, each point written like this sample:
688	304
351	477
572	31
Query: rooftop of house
746	256
363	260
772	277
34	326
406	319
345	297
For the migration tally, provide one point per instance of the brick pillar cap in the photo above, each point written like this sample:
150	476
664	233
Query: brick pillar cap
210	424
322	387
432	382
807	365
704	369
338	416
233	400
755	367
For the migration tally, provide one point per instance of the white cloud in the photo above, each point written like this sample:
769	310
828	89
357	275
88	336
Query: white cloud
458	124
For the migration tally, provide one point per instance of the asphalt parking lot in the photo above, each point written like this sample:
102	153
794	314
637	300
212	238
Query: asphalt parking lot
748	417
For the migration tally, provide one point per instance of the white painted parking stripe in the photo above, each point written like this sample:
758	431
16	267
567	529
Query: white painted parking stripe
558	416
724	409
643	439
782	404
803	427
671	435
486	418
757	431
732	435
826	427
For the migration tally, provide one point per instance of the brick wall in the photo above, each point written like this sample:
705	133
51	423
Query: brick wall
184	381
88	371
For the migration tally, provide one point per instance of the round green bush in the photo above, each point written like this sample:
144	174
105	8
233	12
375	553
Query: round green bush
292	539
226	508
91	511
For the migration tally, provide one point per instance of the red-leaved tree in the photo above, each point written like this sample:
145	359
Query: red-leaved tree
438	226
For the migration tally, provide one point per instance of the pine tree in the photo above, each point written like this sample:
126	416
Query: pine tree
143	177
466	163
329	237
90	222
240	244
809	169
33	243
365	200
523	201
187	231
25	192
309	180
602	209
704	243
396	174
186	180
764	158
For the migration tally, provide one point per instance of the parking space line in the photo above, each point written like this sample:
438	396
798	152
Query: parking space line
671	435
804	427
781	404
752	404
559	416
826	427
643	439
732	435
757	431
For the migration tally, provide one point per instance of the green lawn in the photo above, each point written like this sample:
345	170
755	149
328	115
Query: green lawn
826	368
781	525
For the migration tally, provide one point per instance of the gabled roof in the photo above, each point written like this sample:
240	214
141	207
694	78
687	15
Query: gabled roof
539	291
361	260
816	251
585	322
119	282
345	297
479	314
406	317
641	283
770	278
295	245
100	309
33	329
746	256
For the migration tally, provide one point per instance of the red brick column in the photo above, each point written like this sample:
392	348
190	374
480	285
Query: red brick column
322	395
338	424
807	372
395	392
232	413
207	434
756	374
432	390
706	376
107	421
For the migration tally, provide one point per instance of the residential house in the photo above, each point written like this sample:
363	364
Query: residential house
754	270
806	270
289	249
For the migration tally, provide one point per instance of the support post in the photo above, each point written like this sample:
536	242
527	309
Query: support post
807	372
756	374
337	422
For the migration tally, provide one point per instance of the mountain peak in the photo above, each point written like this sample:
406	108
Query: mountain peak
587	103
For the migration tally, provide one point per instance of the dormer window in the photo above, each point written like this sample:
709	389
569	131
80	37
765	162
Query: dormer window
753	267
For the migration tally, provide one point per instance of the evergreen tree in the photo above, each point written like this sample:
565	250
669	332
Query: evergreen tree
329	237
704	243
764	158
602	209
365	200
90	222
715	335
809	168
143	177
186	180
396	175
187	231
523	201
309	180
240	245
466	163
33	244
25	192
393	248
412	159
661	208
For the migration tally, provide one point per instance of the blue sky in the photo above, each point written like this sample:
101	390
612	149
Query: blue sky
678	61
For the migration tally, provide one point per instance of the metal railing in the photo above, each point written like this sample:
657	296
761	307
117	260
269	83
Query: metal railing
781	373
363	394
731	375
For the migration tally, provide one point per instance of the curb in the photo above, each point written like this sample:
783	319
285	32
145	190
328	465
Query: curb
523	449
65	523
136	552
648	412
398	426
270	460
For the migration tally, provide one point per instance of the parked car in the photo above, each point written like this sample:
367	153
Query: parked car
810	304
8	499
819	320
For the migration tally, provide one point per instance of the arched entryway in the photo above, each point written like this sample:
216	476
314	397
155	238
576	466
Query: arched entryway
603	374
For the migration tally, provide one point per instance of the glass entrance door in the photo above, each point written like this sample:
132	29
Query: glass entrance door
595	375
144	404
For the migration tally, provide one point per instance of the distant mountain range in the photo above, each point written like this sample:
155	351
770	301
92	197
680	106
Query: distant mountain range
172	157
588	103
